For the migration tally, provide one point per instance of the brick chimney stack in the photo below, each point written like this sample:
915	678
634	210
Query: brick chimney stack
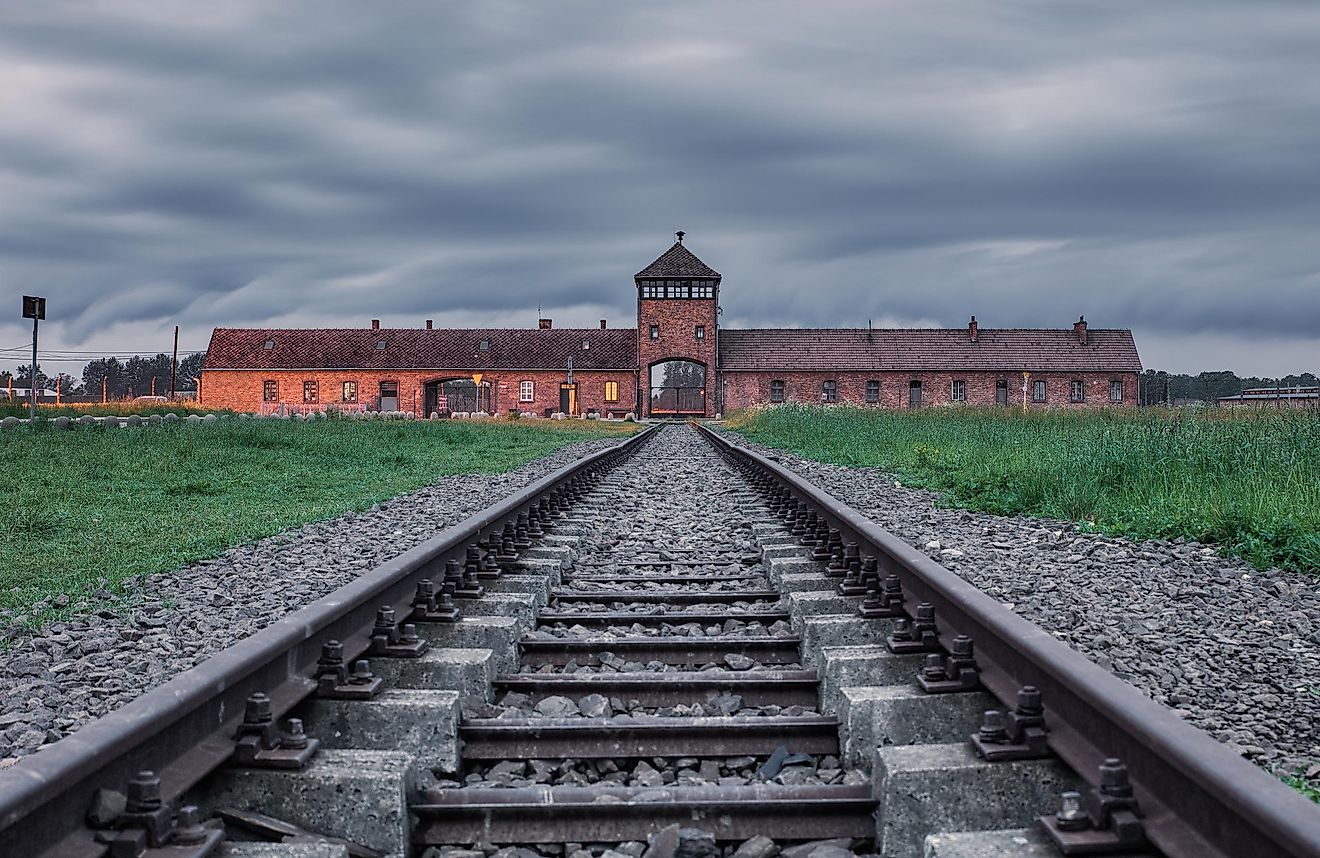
602	324
1079	328
375	324
971	329
428	324
544	324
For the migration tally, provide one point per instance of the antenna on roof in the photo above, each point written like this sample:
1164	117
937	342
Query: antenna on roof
680	235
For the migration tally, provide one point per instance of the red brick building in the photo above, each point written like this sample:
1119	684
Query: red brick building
676	361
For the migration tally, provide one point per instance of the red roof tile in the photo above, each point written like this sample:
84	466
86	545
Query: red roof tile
677	261
927	349
410	348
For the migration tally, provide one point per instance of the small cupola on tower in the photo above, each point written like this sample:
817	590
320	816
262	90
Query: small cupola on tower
678	273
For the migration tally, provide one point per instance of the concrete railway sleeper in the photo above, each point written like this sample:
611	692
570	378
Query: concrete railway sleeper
696	654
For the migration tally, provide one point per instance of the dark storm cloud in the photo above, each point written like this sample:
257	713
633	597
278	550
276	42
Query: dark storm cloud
1150	165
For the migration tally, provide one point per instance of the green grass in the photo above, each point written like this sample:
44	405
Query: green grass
91	503
1247	481
1308	788
49	410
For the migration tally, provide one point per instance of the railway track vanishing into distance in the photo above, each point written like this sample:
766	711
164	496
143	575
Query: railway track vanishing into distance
698	640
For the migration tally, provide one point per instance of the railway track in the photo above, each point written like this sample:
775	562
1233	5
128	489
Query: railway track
674	640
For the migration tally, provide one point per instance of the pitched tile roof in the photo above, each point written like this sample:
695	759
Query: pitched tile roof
677	261
410	348
1013	349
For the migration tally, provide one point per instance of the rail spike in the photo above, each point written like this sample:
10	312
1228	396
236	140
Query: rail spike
1017	735
1105	820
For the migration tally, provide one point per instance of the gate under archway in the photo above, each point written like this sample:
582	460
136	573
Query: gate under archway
678	388
456	395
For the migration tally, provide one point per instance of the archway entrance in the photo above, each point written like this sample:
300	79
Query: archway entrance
456	395
678	387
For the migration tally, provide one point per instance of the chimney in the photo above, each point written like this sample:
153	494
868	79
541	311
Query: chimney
375	324
543	324
428	324
602	324
1079	328
971	329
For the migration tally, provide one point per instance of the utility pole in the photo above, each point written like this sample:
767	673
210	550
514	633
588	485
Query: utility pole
34	308
174	367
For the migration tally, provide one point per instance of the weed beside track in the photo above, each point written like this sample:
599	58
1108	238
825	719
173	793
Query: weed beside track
1248	481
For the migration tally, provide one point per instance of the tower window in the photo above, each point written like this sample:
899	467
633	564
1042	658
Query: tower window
655	332
701	333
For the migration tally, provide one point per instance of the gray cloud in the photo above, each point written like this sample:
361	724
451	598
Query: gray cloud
314	163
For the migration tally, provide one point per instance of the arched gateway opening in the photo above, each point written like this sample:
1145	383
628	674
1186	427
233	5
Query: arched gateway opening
678	387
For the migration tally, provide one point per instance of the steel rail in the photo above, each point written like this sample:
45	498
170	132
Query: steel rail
184	729
1200	799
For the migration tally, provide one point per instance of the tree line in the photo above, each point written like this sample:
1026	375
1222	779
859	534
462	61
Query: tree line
1158	387
121	379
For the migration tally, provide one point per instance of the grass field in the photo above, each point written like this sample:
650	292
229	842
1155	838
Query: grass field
121	408
1248	481
92	503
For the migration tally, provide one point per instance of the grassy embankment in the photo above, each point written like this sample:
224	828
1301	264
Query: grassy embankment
92	503
1247	481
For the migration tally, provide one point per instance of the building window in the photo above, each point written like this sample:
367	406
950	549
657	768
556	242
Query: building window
311	392
701	333
484	345
873	391
655	332
586	344
1116	391
1038	391
349	392
382	345
526	391
270	391
611	391
829	391
1077	391
268	345
959	391
776	391
703	289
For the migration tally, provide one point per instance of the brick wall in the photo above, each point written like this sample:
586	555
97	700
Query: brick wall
745	388
241	390
678	319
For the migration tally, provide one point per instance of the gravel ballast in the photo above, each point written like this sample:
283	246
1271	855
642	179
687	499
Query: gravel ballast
54	680
1233	650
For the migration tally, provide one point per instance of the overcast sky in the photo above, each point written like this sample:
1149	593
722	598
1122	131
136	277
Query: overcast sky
1153	165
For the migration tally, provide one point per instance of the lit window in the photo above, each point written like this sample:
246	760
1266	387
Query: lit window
349	392
873	391
311	392
655	332
776	391
829	391
959	392
1116	391
1038	391
268	345
484	345
1077	391
611	391
270	391
526	391
701	333
586	344
382	345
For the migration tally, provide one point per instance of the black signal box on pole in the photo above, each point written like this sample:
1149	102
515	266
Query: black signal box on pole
34	307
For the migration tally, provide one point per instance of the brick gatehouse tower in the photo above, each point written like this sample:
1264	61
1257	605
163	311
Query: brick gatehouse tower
678	299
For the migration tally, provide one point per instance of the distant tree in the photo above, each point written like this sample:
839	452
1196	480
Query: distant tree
111	372
23	378
189	368
65	384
